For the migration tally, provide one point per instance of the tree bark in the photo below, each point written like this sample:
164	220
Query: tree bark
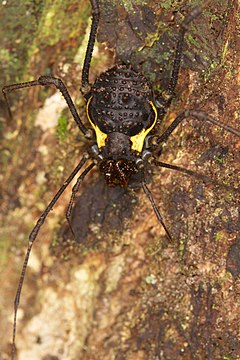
121	290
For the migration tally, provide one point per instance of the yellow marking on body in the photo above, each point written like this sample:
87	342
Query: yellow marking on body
138	139
100	136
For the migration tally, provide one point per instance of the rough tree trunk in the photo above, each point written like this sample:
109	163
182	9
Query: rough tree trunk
121	291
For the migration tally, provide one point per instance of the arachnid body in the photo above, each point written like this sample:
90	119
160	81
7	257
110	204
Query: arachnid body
124	130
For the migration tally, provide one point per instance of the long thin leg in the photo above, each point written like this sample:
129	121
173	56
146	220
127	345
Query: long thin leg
74	192
43	81
183	170
88	57
32	237
154	206
179	49
165	98
204	178
198	115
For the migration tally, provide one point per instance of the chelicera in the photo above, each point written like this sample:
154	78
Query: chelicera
124	116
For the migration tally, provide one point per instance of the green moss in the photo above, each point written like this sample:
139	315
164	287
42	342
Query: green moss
151	279
62	127
128	4
166	4
209	70
181	247
224	52
219	160
192	40
55	14
19	22
219	236
30	29
55	241
151	38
